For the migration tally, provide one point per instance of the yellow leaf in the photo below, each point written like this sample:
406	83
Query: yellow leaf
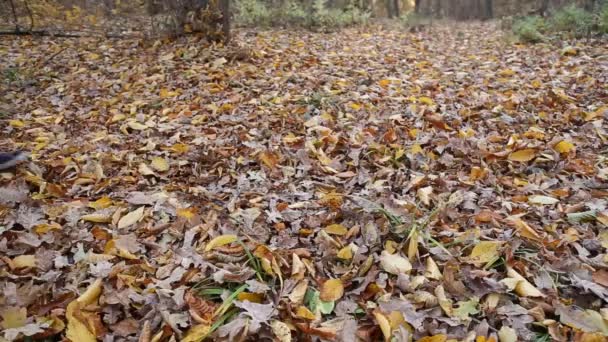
415	149
384	83
159	164
179	148
332	290
434	338
336	229
25	260
131	218
187	213
252	297
485	252
536	83
384	324
564	146
220	241
506	73
197	333
13	317
355	106
303	312
101	203
163	93
16	123
413	133
78	330
345	253
524	155
426	100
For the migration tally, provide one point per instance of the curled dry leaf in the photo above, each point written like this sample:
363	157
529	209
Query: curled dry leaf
131	218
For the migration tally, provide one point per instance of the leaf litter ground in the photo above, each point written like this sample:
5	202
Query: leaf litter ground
365	184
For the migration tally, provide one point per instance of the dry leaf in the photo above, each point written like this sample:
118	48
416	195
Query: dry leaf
220	241
131	218
332	290
524	155
394	264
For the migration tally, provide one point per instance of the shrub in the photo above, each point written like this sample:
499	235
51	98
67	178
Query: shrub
529	29
572	20
603	19
252	12
291	12
413	21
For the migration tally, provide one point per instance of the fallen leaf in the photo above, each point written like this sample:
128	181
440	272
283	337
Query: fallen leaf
336	229
394	264
131	218
545	200
332	290
485	252
524	155
160	164
220	241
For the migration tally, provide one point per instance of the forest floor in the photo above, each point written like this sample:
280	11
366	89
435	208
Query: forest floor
369	183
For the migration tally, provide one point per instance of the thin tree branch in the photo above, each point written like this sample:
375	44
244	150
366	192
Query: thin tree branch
15	19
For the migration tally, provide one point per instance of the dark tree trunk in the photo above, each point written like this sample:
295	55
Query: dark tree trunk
389	8
225	9
396	8
417	5
544	7
489	9
15	18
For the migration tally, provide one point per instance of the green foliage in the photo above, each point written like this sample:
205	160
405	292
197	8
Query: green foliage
294	13
572	20
252	12
603	19
529	29
413	21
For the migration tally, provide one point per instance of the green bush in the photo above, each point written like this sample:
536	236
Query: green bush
529	29
252	12
603	19
572	20
414	21
292	12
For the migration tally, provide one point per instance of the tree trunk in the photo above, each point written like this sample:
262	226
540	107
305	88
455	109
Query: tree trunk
417	5
225	9
396	8
389	8
544	7
489	9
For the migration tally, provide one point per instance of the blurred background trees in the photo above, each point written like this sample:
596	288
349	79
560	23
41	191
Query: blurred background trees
212	18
